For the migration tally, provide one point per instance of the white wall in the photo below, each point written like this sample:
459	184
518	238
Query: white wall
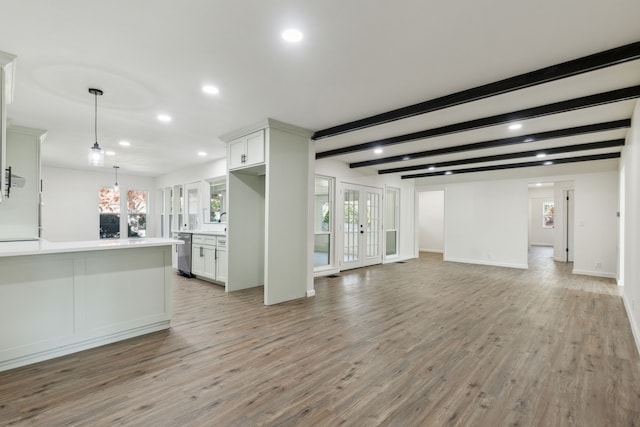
431	221
486	223
630	215
539	235
213	169
596	224
70	202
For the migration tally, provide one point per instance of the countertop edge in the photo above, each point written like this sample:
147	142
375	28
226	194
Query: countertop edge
43	247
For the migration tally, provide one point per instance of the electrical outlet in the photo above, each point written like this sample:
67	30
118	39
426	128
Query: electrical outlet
488	256
598	265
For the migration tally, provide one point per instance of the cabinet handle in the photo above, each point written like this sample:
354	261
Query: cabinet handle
243	158
201	251
8	183
216	254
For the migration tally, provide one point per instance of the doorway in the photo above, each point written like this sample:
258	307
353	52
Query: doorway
431	221
361	226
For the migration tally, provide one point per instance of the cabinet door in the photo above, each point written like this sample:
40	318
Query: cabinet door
221	267
255	148
210	262
237	153
197	260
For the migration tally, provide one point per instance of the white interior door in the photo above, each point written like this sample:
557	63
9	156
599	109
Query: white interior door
361	226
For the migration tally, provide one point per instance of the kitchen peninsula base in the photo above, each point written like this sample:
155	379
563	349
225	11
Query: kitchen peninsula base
57	299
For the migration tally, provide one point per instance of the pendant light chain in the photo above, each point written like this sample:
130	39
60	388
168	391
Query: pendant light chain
96	116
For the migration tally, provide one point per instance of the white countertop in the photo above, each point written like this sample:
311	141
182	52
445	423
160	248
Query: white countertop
205	232
41	247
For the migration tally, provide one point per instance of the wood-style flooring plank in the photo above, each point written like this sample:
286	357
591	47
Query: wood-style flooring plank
424	343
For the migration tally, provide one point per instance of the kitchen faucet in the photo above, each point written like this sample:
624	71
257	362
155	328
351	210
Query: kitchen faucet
220	218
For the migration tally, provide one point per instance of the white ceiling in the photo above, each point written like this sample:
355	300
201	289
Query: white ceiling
358	58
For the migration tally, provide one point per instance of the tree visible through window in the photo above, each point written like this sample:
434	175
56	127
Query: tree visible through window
136	213
109	209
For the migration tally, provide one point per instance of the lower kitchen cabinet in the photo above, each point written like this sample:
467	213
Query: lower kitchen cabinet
207	261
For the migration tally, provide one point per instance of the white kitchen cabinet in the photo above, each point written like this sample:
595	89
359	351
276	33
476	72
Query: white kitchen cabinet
221	259
20	212
7	71
247	150
268	206
206	258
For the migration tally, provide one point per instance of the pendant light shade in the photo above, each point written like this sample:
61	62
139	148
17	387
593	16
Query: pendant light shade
96	154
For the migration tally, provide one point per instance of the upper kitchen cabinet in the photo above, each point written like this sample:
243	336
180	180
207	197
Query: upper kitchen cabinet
20	212
6	96
267	204
247	150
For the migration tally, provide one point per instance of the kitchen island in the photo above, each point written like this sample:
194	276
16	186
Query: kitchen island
58	298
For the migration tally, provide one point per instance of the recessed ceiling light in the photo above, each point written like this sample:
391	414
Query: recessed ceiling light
538	184
448	173
210	90
541	155
110	153
515	126
431	168
124	143
202	153
548	162
292	35
378	151
164	118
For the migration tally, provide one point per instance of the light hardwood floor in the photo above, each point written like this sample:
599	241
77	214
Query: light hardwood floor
423	343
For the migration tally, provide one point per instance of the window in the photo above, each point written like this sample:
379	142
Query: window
548	211
109	210
391	220
217	200
323	198
136	213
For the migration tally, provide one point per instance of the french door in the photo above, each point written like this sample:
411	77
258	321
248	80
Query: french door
361	226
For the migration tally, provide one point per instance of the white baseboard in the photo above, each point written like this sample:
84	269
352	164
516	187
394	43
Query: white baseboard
82	345
634	325
491	263
327	272
311	293
435	251
606	274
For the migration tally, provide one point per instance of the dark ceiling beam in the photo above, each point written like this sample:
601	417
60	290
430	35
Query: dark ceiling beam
510	156
516	165
575	67
499	119
523	139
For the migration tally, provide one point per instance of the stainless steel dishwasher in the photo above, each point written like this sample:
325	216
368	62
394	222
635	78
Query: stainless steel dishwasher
184	254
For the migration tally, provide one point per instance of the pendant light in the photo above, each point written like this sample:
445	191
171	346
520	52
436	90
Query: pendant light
96	155
115	187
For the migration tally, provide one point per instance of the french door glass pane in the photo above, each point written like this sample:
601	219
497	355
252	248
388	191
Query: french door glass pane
373	224
351	225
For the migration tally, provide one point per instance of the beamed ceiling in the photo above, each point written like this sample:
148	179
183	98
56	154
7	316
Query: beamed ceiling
575	111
